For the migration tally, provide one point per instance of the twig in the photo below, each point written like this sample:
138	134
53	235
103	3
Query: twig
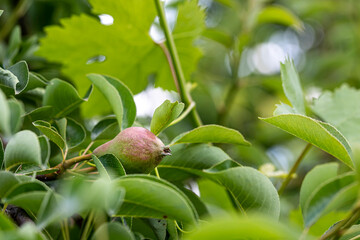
339	229
180	78
294	168
19	11
62	167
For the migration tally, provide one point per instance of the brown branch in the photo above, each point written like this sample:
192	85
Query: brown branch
19	215
62	167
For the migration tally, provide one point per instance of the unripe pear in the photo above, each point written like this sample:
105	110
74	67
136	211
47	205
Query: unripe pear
138	149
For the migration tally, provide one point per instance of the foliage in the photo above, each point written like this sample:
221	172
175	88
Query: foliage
67	86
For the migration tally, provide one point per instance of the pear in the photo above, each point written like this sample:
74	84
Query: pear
138	149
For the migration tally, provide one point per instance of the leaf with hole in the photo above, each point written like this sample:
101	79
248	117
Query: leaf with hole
136	57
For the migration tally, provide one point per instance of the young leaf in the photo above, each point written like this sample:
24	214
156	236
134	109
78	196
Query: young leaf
23	148
340	109
1	11
148	196
113	230
119	97
242	227
164	115
5	114
320	134
63	97
213	134
280	15
292	86
50	132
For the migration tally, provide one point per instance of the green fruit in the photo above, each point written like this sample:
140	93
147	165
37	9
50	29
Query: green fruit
138	149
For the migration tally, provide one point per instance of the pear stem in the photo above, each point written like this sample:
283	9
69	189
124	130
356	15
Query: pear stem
62	167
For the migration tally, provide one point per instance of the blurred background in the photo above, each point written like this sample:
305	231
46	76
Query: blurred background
237	79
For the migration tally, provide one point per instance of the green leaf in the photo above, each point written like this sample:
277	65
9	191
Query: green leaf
320	134
5	114
16	113
242	227
118	96
352	233
292	86
164	115
251	190
211	133
23	148
24	187
113	230
5	223
35	81
1	12
8	181
314	178
1	154
217	203
335	193
100	167
41	113
148	196
136	56
45	150
280	15
218	36
63	97
75	133
29	201
199	157
340	109
21	71
50	132
8	80
127	100
109	166
105	129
